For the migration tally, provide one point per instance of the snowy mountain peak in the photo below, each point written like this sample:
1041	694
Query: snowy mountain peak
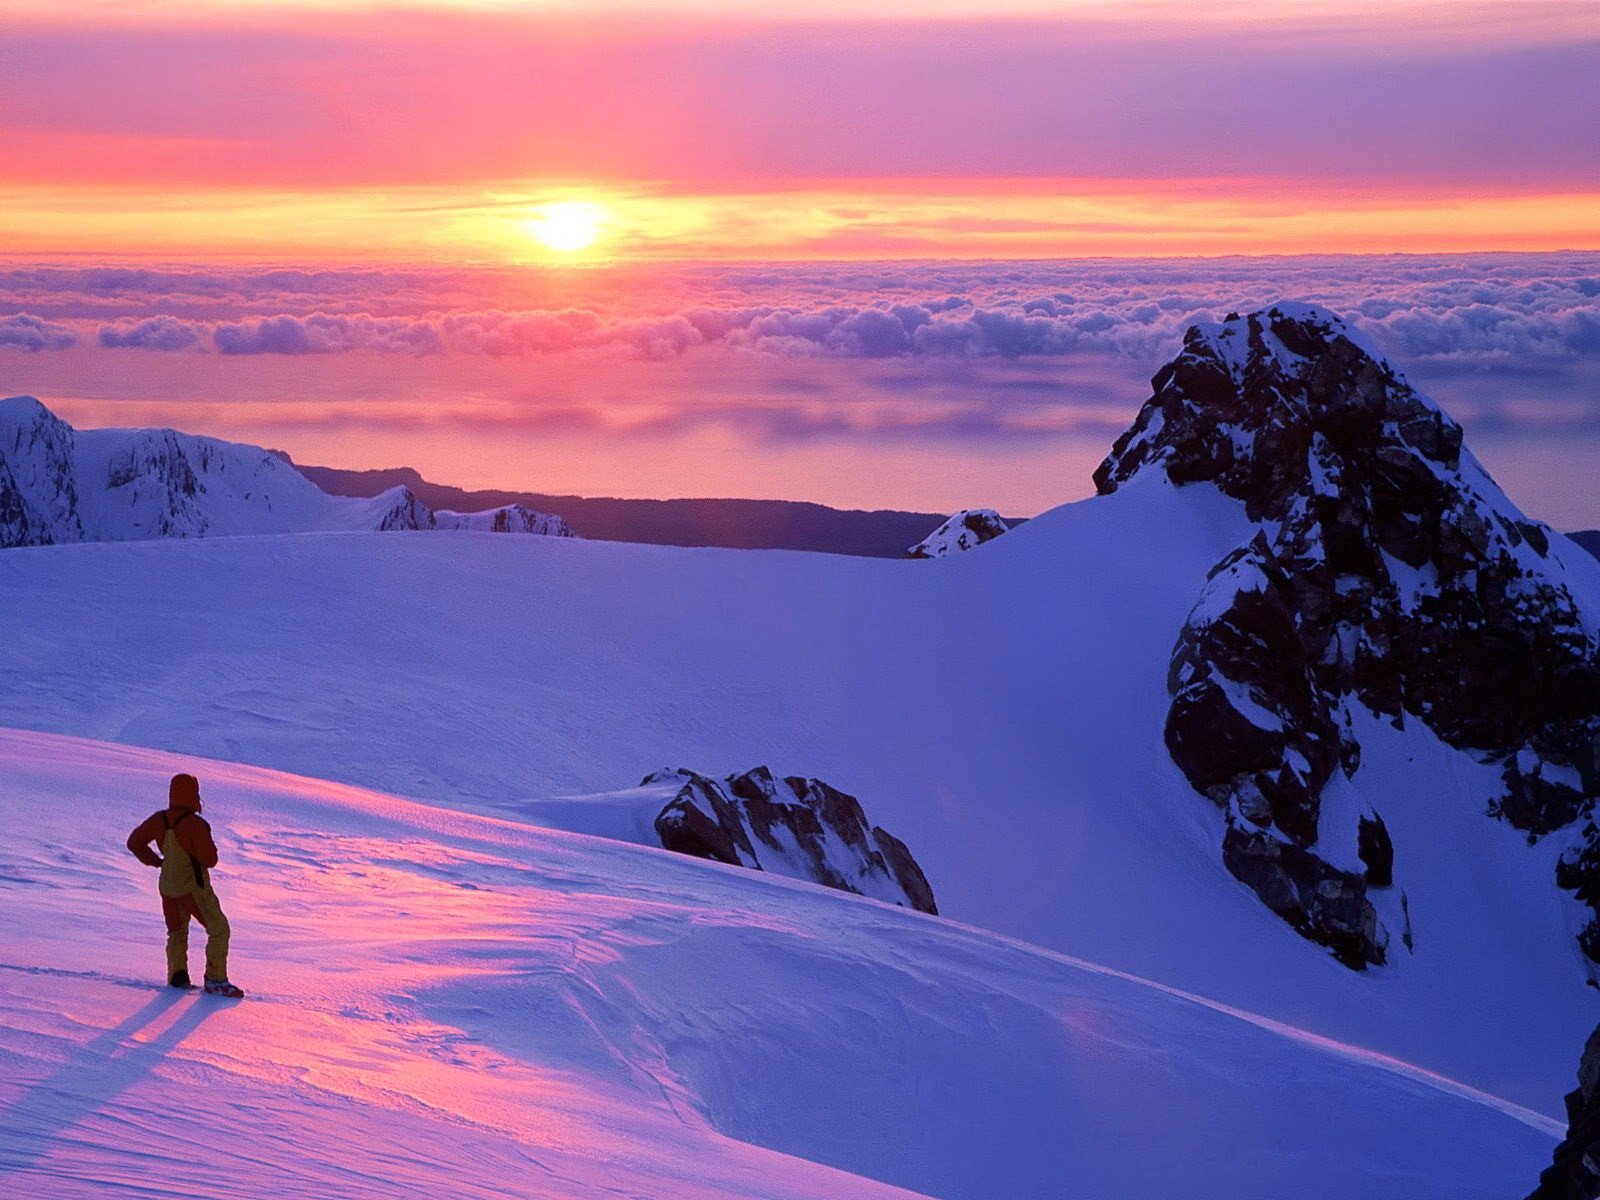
1271	401
399	508
969	528
38	496
62	485
1384	570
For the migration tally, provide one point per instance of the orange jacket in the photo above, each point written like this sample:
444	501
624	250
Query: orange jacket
193	833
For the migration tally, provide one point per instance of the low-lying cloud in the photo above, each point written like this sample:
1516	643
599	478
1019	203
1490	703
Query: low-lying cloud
1511	312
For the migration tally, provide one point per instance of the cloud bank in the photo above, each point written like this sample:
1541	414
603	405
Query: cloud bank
1517	312
643	377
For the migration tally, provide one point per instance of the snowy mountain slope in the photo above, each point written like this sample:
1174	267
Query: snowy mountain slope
447	1004
1026	767
58	484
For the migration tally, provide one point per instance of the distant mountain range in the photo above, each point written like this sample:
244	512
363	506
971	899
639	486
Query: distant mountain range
59	484
738	524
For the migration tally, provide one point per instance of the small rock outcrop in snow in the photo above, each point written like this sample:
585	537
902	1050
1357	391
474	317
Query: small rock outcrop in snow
965	530
1575	1173
508	518
1385	569
58	484
797	827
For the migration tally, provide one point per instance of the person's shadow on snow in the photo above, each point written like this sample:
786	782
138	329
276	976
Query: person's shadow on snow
92	1075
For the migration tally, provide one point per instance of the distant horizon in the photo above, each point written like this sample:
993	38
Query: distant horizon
926	387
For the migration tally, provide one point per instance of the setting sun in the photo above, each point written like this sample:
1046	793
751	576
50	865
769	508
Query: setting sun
567	227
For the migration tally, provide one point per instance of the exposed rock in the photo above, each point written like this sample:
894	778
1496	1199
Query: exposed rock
1575	1172
1375	848
798	827
508	518
965	530
1327	905
1386	569
398	508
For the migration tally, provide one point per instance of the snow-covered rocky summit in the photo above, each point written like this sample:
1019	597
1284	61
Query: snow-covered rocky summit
965	530
58	484
1383	568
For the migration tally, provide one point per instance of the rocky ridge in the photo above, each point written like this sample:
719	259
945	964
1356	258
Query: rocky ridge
1385	570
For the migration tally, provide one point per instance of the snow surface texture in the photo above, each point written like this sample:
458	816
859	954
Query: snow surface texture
445	1004
966	530
58	484
1026	767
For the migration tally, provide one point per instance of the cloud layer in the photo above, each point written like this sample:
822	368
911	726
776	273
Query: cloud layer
659	377
1514	312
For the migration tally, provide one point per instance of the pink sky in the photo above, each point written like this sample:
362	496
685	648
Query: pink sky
346	130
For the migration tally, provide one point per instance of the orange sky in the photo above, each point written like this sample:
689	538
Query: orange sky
710	130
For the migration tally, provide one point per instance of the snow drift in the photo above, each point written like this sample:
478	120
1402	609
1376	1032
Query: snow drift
448	1004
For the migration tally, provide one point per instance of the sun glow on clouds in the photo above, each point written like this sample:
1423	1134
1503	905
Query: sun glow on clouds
861	219
567	227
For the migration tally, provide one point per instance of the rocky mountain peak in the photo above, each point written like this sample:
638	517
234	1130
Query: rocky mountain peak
1268	404
1385	569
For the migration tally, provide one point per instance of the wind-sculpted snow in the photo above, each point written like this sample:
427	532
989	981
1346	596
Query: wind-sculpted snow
61	485
444	1004
965	530
1384	569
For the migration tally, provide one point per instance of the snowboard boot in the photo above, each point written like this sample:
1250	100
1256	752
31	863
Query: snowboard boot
180	980
221	987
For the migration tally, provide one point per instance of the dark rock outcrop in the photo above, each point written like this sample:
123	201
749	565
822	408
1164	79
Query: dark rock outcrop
798	827
965	530
1386	569
1575	1173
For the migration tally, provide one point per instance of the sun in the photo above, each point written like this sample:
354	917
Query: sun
567	227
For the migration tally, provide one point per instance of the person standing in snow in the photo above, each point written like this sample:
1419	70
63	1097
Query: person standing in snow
186	857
